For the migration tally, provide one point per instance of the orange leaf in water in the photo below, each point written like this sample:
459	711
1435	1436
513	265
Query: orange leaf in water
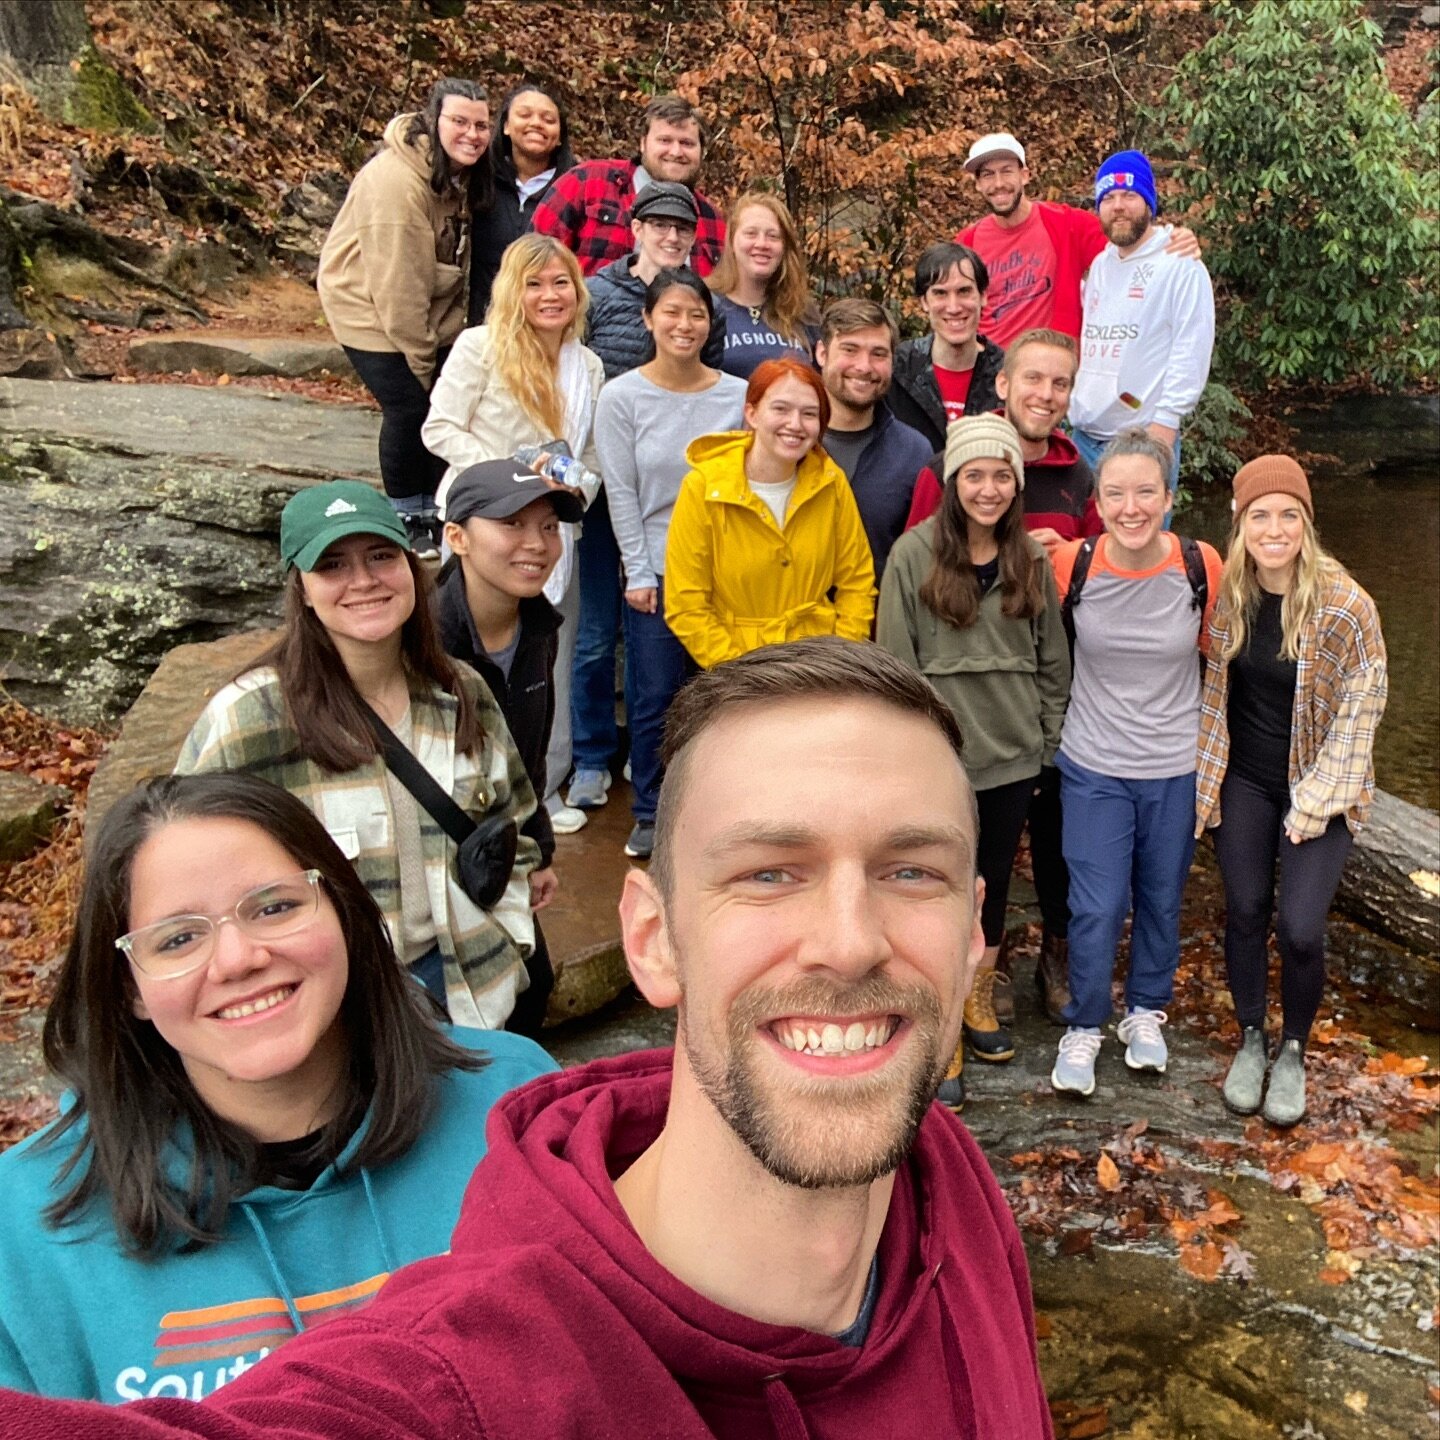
1091	1422
1043	1328
1107	1174
1203	1261
1333	1277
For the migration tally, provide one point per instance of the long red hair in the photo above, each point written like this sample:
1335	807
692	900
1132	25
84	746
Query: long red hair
769	372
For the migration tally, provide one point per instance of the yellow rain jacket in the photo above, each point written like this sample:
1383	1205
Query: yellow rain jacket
734	580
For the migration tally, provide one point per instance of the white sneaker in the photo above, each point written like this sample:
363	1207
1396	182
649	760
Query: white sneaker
1074	1071
1144	1044
565	819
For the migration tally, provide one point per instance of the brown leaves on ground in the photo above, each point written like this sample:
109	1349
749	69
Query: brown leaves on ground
37	893
1078	1422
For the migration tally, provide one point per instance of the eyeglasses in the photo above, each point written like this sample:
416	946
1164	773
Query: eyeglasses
665	226
478	127
171	948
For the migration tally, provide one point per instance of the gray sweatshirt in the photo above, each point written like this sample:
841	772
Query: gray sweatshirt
641	431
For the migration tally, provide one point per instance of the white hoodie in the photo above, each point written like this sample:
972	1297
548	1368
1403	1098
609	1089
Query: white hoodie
1146	340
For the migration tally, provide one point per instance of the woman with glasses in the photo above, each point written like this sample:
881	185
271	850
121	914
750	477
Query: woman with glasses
360	645
264	1119
393	273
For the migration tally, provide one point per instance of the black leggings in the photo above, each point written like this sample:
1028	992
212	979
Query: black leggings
1047	860
1002	819
407	468
1250	838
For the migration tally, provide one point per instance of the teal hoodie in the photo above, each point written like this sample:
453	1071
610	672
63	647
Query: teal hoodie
81	1317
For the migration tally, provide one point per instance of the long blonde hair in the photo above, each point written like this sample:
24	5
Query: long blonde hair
1315	570
789	306
519	358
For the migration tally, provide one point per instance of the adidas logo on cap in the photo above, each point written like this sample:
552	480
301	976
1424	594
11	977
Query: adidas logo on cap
339	507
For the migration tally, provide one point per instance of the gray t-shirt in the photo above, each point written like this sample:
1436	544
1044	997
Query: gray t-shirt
641	431
845	447
1135	697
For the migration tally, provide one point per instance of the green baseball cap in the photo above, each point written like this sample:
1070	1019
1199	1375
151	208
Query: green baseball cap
319	515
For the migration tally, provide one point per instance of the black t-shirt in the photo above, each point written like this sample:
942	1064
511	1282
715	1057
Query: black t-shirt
987	574
1262	699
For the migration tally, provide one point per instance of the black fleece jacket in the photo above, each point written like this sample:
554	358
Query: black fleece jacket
915	393
527	699
505	221
615	327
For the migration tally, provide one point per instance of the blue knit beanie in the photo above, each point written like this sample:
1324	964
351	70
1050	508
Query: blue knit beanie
1127	170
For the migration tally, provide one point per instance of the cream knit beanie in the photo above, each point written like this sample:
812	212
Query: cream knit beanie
983	437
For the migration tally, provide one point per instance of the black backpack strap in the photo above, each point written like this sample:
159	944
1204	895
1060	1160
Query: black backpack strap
1195	572
420	782
1081	568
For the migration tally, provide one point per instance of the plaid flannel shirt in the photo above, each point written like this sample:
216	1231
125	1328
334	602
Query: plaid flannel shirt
245	728
587	210
1340	690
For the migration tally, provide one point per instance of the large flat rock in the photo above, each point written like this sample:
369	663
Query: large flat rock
135	518
216	354
243	429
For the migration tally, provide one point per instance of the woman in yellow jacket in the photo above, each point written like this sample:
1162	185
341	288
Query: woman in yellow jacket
766	542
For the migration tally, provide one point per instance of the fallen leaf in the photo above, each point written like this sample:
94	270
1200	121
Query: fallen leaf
1107	1173
1358	1401
1202	1260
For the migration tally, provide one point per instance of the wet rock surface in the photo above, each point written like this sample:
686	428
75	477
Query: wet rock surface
135	518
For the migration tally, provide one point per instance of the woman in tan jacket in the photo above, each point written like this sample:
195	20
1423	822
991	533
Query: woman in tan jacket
392	278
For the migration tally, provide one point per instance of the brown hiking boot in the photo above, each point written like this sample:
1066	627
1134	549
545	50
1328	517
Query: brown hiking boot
1052	977
951	1093
988	1039
1004	992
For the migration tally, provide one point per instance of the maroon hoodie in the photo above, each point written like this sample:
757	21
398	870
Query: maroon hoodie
1059	491
550	1319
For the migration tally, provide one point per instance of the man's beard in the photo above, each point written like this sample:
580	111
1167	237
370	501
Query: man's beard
1122	231
1026	428
837	393
1004	211
818	1132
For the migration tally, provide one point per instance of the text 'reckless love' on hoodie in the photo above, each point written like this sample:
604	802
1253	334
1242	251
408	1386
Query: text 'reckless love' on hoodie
550	1319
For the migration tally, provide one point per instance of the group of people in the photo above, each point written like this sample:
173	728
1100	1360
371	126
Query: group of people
884	606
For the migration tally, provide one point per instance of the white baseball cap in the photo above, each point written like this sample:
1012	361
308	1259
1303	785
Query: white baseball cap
987	147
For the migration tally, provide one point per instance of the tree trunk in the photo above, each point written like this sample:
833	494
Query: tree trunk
1391	882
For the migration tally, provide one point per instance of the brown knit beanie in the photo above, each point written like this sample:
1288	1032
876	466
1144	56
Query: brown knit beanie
1271	475
983	437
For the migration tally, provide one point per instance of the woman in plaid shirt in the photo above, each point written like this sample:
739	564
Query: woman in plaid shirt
1295	688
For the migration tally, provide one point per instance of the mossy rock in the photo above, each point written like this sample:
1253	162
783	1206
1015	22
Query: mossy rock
99	99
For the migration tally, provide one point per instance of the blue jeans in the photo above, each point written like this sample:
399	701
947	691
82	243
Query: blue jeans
592	681
1127	843
656	666
1091	447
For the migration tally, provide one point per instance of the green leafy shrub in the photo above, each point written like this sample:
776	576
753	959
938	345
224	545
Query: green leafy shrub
1319	194
1217	423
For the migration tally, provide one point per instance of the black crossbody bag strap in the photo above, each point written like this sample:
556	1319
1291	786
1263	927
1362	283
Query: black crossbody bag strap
420	782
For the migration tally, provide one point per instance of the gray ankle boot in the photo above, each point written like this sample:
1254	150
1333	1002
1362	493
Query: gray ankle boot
1285	1098
1246	1081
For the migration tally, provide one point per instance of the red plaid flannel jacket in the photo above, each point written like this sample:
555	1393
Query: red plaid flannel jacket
588	210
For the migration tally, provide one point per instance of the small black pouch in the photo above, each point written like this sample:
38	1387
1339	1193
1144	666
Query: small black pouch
485	851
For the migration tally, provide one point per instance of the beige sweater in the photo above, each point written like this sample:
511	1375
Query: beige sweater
392	270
